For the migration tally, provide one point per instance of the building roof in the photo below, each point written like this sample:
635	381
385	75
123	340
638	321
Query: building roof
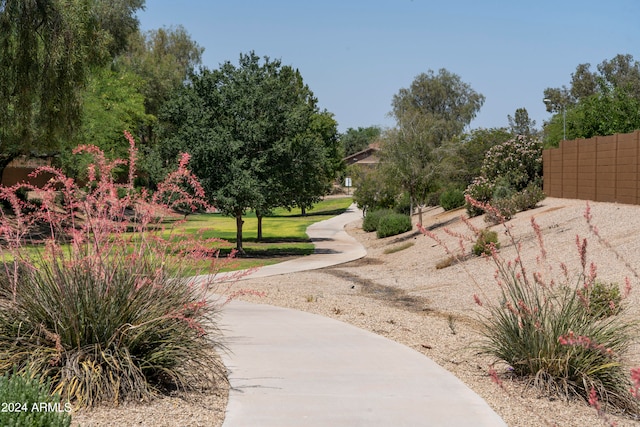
367	156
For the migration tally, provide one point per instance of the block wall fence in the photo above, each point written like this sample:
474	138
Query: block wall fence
603	168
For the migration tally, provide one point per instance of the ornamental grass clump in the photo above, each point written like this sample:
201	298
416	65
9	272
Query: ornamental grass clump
93	292
554	329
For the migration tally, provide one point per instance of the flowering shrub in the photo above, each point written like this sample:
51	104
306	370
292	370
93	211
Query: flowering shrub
552	327
481	189
98	302
511	177
517	161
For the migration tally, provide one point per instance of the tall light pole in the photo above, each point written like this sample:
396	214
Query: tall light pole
564	118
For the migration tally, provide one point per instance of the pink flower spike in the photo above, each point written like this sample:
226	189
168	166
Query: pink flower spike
477	299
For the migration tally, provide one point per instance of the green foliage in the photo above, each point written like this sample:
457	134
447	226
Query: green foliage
111	102
47	51
604	299
356	140
510	180
517	162
18	395
402	204
481	190
451	199
164	58
521	124
372	219
372	190
487	239
469	151
548	335
393	224
528	198
503	209
602	102
431	112
256	136
442	100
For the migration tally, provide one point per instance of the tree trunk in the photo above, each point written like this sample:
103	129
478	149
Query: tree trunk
259	239
420	214
239	223
303	211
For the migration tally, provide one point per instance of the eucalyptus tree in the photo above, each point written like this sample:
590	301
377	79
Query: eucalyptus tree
433	110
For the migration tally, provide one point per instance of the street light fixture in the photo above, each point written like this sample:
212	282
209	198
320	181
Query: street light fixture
564	118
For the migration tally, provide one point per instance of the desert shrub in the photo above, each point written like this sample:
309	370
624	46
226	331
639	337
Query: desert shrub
447	262
604	299
372	219
544	327
528	198
503	210
485	241
451	199
502	189
480	190
19	394
433	198
403	204
393	224
108	316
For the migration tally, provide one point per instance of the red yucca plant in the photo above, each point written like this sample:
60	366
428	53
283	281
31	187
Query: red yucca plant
93	292
553	330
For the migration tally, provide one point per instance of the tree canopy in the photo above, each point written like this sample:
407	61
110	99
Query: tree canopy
600	102
48	48
433	110
255	136
355	140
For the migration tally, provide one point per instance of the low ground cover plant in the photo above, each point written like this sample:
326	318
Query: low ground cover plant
393	224
92	292
564	332
27	402
372	219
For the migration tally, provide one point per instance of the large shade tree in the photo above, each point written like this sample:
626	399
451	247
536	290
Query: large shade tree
246	126
433	110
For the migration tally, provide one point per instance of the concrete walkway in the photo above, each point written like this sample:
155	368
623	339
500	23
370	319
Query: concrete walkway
333	246
292	368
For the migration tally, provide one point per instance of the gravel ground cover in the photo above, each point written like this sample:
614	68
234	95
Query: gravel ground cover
403	296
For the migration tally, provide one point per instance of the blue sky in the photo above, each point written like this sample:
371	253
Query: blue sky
356	54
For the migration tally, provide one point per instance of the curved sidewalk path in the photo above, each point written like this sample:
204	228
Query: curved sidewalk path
292	368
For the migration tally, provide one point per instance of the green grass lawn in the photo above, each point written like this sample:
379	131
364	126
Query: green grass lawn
284	233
